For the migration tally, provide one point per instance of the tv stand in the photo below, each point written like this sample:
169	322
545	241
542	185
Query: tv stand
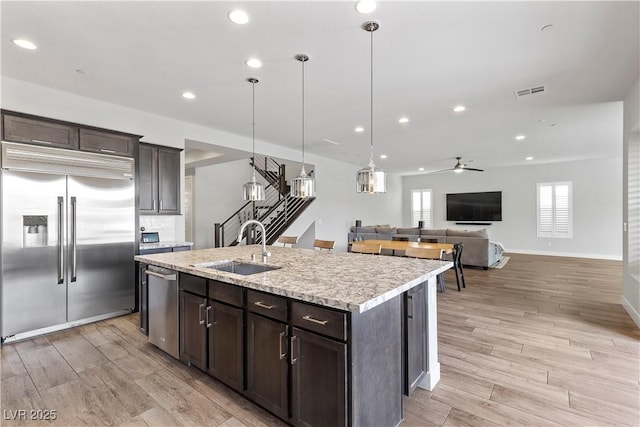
473	223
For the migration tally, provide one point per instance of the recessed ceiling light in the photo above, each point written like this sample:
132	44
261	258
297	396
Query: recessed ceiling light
383	156
420	169
459	108
366	6
520	137
253	63
238	16
359	129
26	44
403	120
529	158
188	95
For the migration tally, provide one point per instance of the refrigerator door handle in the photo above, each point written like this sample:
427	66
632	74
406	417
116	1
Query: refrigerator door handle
73	239
60	240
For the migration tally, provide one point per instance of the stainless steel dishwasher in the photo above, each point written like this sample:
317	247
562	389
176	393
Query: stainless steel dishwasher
163	309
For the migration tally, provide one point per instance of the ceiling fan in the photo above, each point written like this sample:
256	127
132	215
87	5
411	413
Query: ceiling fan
460	167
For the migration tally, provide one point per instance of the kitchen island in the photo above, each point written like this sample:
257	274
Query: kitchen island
323	339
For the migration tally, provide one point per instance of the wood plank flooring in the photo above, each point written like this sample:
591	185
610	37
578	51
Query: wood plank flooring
542	342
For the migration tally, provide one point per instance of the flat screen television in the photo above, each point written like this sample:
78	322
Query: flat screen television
470	207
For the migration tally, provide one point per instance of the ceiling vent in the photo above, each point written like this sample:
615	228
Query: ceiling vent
529	91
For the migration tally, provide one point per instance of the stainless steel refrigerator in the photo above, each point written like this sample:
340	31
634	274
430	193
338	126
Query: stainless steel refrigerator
68	238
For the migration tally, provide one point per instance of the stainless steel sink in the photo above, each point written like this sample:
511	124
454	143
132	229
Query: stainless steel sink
237	267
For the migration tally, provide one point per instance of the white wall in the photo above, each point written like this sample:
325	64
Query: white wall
631	289
597	203
334	211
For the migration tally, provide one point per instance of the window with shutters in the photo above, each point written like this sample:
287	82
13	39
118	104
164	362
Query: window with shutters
555	210
421	208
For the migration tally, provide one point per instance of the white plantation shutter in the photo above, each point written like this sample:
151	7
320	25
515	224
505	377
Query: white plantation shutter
421	208
554	210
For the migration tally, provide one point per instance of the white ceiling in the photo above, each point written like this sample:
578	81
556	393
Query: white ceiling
428	58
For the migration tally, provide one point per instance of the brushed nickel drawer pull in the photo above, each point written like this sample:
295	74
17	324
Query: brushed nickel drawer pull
311	319
263	305
41	141
294	359
104	150
283	353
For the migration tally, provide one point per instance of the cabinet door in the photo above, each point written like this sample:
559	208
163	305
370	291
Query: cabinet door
148	177
106	142
226	347
267	364
168	181
319	380
193	331
416	337
143	299
41	132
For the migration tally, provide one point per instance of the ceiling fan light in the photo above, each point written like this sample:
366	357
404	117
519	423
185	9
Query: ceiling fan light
371	180
458	170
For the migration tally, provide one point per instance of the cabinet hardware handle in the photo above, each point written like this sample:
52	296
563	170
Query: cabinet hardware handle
263	305
153	205
41	141
293	358
200	319
283	353
107	151
410	306
160	204
206	315
311	319
60	242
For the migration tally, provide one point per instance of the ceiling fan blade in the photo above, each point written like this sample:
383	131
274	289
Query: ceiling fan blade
440	171
473	169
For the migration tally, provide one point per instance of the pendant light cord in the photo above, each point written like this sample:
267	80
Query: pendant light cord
303	114
253	126
371	92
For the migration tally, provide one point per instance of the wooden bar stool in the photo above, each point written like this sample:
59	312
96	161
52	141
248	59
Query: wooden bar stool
366	248
427	253
457	265
324	244
288	240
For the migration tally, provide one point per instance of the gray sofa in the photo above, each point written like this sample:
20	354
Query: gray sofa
477	251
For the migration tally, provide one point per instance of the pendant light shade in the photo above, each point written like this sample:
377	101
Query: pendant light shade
252	191
303	185
371	179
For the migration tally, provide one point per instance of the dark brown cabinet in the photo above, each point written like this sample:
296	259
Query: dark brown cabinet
107	142
193	329
17	128
267	364
319	380
415	351
225	332
159	179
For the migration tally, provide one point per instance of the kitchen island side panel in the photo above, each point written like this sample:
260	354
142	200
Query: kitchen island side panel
376	365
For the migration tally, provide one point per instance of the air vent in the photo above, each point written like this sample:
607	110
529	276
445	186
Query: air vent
529	91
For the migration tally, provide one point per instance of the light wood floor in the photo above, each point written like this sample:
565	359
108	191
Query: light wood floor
542	342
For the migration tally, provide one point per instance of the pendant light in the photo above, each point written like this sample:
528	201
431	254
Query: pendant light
252	190
303	185
371	179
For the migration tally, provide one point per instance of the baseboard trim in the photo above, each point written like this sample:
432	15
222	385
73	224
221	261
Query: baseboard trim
635	316
565	254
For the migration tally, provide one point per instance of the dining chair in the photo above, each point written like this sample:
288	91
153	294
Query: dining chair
324	244
288	240
427	253
457	264
366	248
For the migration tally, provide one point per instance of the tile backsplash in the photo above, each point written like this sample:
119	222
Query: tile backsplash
165	225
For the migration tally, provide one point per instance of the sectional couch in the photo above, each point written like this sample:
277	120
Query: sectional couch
477	251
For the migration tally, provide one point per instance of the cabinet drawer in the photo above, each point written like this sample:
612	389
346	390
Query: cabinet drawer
193	284
319	319
40	132
225	292
268	305
106	142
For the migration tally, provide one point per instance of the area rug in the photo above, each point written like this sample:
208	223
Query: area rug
501	263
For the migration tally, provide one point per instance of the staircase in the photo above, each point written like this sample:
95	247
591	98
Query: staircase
276	212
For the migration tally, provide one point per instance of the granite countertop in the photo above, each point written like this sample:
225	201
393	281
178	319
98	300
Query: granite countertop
346	281
169	244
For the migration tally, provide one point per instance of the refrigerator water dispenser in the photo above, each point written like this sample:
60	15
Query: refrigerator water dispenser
34	231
